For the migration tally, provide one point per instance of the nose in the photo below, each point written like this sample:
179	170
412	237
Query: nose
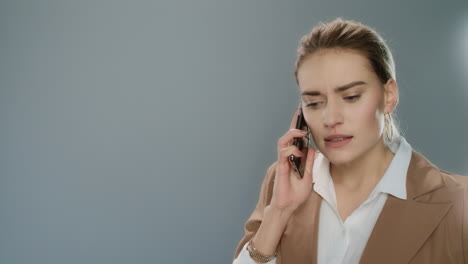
332	115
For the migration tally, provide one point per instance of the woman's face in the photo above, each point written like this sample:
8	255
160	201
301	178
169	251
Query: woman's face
343	102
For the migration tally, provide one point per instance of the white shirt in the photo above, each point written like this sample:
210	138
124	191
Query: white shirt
344	242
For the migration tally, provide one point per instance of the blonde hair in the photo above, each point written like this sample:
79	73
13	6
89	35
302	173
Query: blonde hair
351	35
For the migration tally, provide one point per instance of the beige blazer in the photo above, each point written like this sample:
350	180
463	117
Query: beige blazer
431	226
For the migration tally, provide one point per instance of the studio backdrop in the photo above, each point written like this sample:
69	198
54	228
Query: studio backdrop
140	131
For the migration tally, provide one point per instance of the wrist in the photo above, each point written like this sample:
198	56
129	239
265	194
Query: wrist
267	238
278	213
257	256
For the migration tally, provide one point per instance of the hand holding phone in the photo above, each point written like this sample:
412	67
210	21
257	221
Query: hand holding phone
294	168
301	143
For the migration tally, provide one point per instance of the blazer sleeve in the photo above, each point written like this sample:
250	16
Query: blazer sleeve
465	221
253	222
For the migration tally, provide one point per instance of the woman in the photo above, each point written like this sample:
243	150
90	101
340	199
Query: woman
366	195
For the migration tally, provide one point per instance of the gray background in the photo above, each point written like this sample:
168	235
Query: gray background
140	131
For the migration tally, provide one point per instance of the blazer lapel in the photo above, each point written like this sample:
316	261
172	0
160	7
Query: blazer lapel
419	215
299	241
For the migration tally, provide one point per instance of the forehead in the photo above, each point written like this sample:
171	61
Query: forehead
327	69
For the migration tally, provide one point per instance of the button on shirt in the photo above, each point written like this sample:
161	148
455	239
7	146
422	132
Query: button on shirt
344	242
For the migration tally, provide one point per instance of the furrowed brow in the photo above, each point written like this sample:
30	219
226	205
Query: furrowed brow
349	85
337	90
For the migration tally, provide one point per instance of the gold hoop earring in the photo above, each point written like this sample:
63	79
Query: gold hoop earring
388	129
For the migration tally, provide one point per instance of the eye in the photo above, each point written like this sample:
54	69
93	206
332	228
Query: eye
352	98
314	105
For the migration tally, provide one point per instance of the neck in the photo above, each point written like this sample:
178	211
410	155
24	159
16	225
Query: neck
365	171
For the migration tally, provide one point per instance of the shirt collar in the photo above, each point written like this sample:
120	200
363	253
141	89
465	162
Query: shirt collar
393	181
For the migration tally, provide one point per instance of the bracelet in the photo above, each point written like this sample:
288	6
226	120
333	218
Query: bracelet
257	256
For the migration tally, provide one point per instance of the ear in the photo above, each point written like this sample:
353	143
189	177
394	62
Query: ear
391	96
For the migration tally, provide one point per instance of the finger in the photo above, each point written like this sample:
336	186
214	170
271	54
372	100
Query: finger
309	166
284	165
285	153
286	139
294	119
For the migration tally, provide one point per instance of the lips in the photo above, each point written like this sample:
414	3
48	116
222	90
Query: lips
337	141
335	137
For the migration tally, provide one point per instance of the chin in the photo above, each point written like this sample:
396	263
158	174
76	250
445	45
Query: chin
340	158
340	161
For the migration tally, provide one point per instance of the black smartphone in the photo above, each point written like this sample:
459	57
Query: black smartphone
298	163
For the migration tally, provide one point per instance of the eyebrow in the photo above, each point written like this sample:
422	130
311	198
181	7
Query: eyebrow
337	89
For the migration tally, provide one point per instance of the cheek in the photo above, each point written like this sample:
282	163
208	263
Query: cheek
312	119
368	115
315	123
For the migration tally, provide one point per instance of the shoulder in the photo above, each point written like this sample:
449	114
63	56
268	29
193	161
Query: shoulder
426	179
270	175
454	180
456	186
266	190
421	165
